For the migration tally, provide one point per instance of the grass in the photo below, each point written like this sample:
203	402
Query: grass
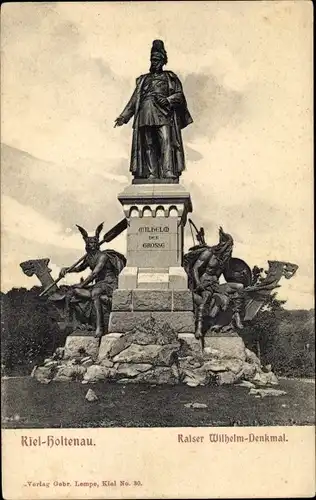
28	404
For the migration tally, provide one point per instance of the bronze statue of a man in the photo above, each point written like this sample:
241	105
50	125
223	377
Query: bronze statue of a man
160	112
205	264
99	285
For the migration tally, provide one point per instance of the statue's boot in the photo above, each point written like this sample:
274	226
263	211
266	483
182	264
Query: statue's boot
98	333
216	328
237	321
214	310
237	305
106	301
169	175
98	309
198	330
224	302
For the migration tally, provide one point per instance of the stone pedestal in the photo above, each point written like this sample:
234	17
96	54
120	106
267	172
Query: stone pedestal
154	283
156	215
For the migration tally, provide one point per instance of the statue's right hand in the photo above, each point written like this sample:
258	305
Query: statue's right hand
119	121
63	272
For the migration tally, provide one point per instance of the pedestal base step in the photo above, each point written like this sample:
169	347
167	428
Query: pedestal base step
180	322
153	278
152	300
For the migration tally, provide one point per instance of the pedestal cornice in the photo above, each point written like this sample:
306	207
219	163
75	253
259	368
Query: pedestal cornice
148	194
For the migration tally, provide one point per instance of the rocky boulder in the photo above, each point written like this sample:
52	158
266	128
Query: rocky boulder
162	355
262	393
159	375
226	378
71	371
263	379
81	344
224	347
91	396
131	369
44	374
252	359
96	372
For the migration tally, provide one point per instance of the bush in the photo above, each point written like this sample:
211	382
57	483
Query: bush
283	338
292	349
29	330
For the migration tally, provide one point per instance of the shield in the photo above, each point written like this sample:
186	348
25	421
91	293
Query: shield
237	271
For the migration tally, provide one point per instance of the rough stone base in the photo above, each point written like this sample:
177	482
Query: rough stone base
152	352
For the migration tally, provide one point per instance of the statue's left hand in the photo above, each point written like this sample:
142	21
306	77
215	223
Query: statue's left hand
163	101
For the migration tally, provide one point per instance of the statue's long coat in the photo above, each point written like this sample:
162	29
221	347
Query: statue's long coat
181	118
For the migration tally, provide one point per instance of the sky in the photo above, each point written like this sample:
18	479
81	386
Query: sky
68	69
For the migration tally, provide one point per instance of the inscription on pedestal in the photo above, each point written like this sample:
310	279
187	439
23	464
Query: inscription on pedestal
155	236
153	242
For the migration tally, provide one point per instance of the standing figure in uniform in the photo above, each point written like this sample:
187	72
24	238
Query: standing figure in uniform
160	112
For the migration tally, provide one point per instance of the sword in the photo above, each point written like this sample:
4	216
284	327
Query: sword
109	236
